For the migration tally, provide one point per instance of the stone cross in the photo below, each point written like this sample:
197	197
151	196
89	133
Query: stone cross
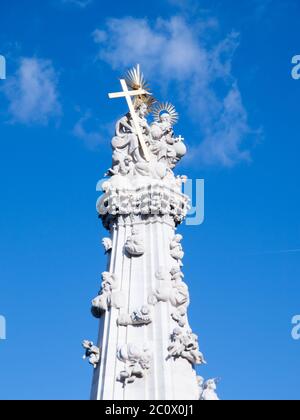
127	95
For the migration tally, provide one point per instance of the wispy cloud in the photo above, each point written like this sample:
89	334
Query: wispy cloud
261	7
190	59
277	252
287	251
79	3
91	137
32	93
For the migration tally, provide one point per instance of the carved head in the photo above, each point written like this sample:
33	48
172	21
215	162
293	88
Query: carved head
142	110
200	381
107	277
178	238
165	118
211	384
87	344
176	333
145	310
107	243
176	271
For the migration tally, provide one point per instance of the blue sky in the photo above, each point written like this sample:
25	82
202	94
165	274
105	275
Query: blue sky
227	67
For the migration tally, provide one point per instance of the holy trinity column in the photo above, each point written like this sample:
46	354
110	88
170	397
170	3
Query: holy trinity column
146	348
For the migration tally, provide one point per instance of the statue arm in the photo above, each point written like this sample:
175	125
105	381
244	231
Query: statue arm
122	122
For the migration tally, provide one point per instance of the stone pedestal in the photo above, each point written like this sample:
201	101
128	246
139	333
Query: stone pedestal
148	300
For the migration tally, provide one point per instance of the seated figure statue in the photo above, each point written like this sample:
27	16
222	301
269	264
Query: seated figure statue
165	145
125	144
163	139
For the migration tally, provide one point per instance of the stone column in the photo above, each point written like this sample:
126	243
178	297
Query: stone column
147	349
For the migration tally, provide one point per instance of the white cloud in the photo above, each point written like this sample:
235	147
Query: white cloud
90	137
261	7
32	93
191	60
79	3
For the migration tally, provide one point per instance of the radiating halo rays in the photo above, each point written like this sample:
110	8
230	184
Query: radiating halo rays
167	108
136	80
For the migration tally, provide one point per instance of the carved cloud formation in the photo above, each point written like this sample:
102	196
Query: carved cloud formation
32	92
188	60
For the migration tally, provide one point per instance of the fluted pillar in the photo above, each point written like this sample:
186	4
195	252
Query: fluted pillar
147	303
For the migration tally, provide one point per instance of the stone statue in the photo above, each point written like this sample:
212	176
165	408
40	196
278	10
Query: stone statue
208	390
185	345
172	290
176	249
107	244
163	290
165	145
180	297
103	301
125	144
92	353
137	360
141	205
138	317
134	245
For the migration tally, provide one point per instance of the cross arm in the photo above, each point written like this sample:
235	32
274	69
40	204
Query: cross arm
130	93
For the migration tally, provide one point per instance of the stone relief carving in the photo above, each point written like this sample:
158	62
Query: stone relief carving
137	361
134	245
185	345
176	249
138	317
128	199
141	179
91	352
208	389
107	244
105	300
163	290
164	148
165	145
172	290
126	144
180	297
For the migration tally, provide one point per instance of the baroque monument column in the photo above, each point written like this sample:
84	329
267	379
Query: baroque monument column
146	349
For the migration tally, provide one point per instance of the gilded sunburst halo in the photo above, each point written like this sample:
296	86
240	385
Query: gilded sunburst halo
135	80
166	108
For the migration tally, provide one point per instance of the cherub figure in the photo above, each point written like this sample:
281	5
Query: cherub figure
137	361
185	345
92	353
208	390
165	145
107	244
176	249
102	302
134	245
